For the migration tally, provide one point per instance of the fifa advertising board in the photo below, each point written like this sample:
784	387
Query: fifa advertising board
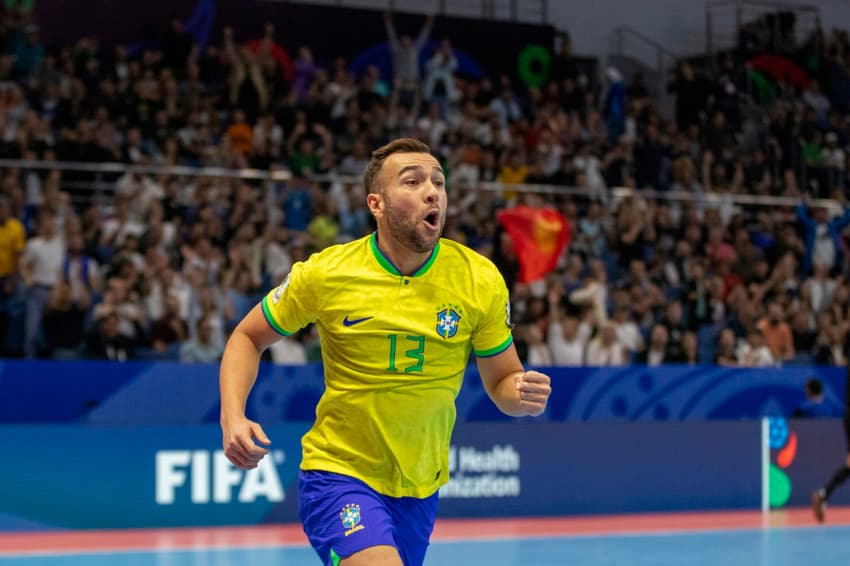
87	477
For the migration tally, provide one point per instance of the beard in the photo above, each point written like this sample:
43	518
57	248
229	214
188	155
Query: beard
409	231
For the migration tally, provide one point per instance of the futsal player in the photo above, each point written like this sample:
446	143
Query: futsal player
398	313
821	496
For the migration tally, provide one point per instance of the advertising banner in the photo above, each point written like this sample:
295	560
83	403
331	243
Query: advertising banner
119	477
804	454
91	477
601	468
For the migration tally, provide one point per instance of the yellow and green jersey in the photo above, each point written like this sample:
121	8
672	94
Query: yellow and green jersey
394	349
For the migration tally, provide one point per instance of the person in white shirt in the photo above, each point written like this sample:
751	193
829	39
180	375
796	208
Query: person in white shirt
656	351
819	288
568	341
605	350
288	351
594	291
140	192
628	333
41	267
116	228
203	348
439	75
754	353
405	52
567	336
538	350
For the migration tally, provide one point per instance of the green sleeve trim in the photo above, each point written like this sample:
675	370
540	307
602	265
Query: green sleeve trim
270	319
495	351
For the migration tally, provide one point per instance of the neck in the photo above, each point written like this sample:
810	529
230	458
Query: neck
404	259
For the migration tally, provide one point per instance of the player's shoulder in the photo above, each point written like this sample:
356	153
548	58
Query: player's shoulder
458	253
339	255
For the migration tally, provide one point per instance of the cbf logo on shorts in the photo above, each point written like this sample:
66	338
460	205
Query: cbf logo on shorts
350	516
448	319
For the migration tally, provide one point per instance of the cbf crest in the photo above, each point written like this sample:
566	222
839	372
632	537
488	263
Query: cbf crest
448	320
350	515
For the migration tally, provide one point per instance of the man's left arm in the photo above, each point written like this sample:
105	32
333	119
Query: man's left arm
841	222
516	392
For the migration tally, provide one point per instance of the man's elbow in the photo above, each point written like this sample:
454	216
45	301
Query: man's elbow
240	339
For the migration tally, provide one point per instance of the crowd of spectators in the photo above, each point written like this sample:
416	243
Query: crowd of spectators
162	266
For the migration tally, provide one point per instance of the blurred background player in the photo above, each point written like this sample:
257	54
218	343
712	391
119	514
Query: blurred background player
821	496
816	405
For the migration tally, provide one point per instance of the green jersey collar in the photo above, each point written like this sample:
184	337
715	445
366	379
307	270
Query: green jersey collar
388	266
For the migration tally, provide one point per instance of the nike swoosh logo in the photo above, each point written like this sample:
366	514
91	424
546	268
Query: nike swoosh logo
352	321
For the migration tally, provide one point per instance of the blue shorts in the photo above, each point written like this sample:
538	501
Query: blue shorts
342	515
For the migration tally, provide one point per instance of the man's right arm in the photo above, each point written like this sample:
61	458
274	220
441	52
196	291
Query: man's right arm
424	32
391	35
803	215
239	365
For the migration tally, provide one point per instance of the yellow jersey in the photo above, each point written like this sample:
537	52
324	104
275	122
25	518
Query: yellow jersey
12	240
394	350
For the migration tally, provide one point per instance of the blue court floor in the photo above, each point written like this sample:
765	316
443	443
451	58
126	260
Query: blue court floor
799	546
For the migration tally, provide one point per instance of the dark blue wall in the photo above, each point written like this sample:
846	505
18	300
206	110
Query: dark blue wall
173	393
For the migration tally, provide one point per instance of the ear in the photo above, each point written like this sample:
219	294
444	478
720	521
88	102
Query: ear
375	202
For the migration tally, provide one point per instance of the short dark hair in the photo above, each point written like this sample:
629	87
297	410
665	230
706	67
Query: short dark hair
814	387
401	145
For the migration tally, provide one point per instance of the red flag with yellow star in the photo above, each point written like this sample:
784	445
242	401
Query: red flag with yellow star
539	236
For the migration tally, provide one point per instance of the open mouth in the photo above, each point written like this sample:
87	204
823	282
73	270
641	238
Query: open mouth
432	219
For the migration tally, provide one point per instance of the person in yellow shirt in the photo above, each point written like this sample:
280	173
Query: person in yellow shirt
398	313
12	240
514	172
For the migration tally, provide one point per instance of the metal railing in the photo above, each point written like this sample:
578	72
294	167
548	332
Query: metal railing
171	170
106	187
724	19
625	36
528	11
628	42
